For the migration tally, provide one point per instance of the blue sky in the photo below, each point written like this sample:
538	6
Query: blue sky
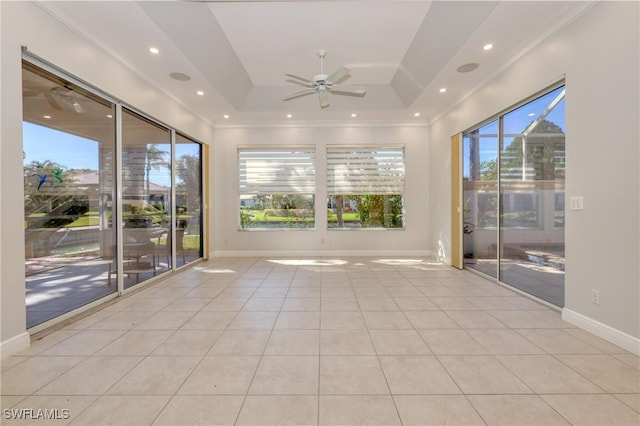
71	152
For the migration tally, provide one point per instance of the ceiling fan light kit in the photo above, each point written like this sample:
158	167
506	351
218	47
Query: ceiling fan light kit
323	84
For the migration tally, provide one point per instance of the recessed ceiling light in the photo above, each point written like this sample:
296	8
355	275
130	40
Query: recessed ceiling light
226	116
289	115
471	66
200	93
416	114
443	89
47	116
354	115
109	116
179	76
487	46
154	50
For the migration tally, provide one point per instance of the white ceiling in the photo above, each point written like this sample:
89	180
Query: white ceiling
238	52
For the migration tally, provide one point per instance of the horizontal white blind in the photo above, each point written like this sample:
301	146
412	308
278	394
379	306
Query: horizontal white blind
277	170
365	170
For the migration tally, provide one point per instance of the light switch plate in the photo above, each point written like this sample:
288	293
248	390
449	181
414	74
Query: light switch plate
576	202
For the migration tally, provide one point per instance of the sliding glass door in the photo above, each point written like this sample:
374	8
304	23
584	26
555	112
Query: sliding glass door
100	214
514	197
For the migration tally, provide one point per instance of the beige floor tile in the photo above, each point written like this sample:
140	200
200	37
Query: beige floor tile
556	341
122	320
337	292
216	375
452	342
545	374
225	305
237	292
370	292
205	410
605	371
86	342
155	375
151	304
188	342
241	342
407	291
482	374
210	320
44	343
437	290
491	303
304	292
351	375
253	321
164	320
122	410
509	410
12	361
520	319
283	410
468	319
597	342
187	304
339	304
631	399
342	321
596	410
457	303
298	321
271	292
629	359
358	410
419	303
290	375
437	410
398	342
430	320
386	321
417	375
135	342
32	374
377	304
504	342
345	342
293	342
263	304
91	377
301	304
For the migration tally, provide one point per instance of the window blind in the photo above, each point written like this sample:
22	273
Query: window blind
365	170
277	170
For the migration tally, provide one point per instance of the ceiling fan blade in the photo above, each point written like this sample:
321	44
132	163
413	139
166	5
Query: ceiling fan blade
300	83
349	90
338	75
324	98
295	77
304	92
52	102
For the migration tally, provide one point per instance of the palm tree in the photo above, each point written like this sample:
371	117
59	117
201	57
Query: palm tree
155	159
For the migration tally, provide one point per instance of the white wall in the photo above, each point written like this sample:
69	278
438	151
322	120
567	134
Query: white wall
229	240
599	54
26	24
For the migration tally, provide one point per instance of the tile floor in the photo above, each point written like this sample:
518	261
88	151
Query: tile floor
348	341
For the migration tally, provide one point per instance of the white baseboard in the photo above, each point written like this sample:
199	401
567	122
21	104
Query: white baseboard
608	333
14	345
325	253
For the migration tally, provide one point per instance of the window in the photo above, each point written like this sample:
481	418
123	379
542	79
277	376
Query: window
365	186
277	187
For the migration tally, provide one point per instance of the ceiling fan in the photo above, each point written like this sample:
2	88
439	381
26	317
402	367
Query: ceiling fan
323	84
